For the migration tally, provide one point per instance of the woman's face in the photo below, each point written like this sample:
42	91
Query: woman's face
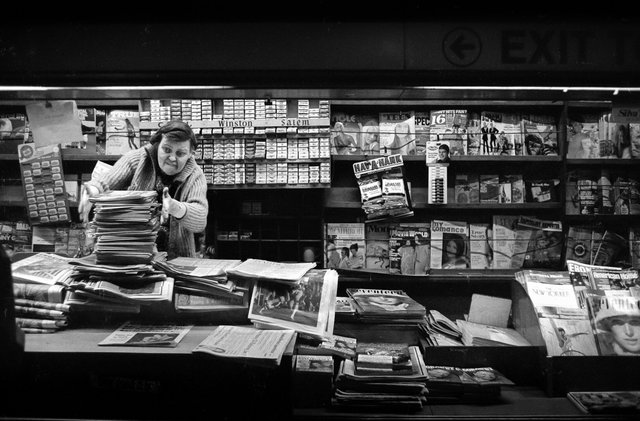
626	332
452	248
173	156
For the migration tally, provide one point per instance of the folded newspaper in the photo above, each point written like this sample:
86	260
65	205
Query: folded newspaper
273	271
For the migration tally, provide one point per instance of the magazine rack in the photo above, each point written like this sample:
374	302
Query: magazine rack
562	374
525	366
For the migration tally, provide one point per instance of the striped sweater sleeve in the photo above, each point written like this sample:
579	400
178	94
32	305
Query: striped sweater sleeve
120	176
195	199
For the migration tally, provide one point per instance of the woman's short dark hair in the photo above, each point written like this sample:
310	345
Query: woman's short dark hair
176	130
444	146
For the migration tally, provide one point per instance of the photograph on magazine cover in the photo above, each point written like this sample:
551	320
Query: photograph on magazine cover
298	303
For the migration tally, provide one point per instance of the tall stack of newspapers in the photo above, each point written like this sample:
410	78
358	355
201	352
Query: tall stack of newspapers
118	277
125	225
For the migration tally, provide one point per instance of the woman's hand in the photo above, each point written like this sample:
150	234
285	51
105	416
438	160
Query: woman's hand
84	206
171	206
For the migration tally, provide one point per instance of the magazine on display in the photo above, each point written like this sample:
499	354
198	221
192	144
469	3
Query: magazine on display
410	248
616	320
344	245
449	244
307	306
377	246
354	134
568	337
397	133
501	134
448	127
385	304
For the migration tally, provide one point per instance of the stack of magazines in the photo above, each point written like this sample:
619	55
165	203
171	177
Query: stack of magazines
125	225
455	384
386	306
439	330
382	376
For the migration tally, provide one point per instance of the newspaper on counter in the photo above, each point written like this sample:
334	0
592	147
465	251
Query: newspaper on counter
246	343
132	334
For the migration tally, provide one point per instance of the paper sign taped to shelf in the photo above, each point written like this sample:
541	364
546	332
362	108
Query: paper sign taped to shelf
54	122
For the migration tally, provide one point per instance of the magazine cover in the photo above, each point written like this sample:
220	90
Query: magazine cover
409	249
545	246
383	188
344	245
617	323
516	182
387	302
474	134
450	126
423	129
307	306
438	151
397	133
480	253
578	244
501	133
489	188
449	245
503	240
354	134
583	137
567	337
467	188
634	246
377	245
540	135
634	139
122	131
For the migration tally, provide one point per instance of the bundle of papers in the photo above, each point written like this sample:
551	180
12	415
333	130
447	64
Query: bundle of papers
439	330
126	224
201	276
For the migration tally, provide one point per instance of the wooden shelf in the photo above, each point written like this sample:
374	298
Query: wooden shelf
603	162
68	155
434	275
349	197
269	186
464	158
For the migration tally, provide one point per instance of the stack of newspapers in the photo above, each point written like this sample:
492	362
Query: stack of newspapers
117	288
202	285
125	225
